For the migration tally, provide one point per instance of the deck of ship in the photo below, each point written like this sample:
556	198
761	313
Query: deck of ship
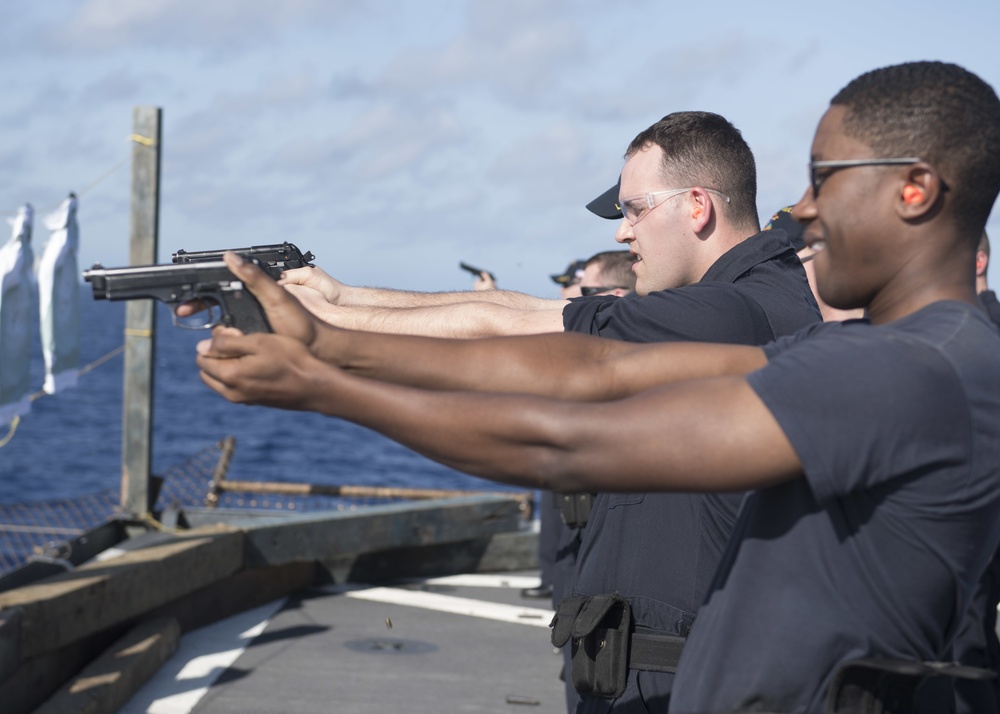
264	612
467	643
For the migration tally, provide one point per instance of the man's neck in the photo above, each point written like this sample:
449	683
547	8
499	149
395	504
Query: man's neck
720	242
888	307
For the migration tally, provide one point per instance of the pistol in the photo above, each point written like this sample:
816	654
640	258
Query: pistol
476	271
274	258
209	282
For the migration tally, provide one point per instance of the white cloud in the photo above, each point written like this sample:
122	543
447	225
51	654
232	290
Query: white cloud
117	84
518	49
103	25
386	140
558	166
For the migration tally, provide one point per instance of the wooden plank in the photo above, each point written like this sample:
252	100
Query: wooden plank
107	683
335	535
71	606
499	552
37	678
240	592
508	551
10	641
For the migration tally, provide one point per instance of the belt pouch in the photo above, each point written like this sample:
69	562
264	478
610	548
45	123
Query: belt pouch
600	640
575	508
566	613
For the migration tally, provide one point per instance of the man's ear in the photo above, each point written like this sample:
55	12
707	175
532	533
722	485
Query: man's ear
701	208
982	262
920	191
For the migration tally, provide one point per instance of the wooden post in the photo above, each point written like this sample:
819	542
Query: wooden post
140	315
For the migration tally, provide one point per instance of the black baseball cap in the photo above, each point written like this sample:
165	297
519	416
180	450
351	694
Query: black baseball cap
573	273
784	220
606	205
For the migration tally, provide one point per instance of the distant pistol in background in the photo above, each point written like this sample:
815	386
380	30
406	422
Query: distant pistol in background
476	271
202	278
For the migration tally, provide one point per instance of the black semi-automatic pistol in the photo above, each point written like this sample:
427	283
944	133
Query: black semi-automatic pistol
274	258
211	284
201	277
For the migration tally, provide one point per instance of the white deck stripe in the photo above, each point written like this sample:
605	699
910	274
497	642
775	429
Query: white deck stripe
535	616
485	581
201	656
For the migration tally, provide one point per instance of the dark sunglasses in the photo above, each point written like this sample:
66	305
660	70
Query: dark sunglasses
591	291
816	178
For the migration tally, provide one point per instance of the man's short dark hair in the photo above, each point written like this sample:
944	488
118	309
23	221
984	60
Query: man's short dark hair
704	149
616	267
941	113
984	244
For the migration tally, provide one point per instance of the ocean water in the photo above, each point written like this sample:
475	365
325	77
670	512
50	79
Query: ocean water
70	443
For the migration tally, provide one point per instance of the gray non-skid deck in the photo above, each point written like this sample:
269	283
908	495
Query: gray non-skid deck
463	644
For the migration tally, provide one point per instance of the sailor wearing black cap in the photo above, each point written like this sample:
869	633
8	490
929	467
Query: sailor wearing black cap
703	279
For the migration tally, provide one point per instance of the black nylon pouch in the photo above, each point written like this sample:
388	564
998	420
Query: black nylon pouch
575	508
600	647
566	614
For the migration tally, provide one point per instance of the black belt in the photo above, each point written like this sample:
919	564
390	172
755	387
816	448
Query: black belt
655	653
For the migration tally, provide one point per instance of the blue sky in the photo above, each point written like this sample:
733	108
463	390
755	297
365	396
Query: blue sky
394	139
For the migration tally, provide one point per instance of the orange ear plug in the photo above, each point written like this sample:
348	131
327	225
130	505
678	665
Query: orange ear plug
912	194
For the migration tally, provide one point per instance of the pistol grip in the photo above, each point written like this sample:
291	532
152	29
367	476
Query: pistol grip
240	309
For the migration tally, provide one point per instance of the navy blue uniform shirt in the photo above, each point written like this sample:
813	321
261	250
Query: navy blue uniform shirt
875	551
755	292
661	550
988	299
976	643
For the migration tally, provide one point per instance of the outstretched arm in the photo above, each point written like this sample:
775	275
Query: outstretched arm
340	293
698	435
398	312
467	319
568	366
